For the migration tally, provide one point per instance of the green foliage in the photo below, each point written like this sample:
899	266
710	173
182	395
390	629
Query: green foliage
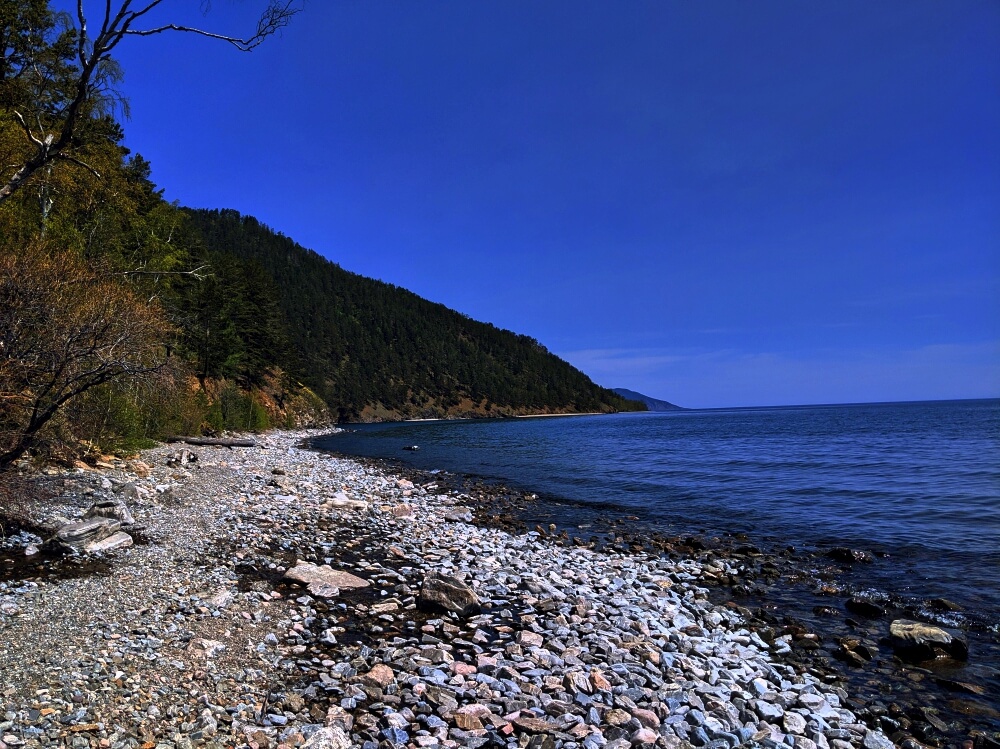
233	326
214	421
114	418
241	411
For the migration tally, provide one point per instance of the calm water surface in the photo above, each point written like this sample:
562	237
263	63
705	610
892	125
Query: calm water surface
920	481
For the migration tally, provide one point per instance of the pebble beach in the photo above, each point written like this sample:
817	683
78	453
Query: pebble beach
276	596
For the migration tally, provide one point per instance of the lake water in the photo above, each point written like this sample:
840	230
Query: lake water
918	481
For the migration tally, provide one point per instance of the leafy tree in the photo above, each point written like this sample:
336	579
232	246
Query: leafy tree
64	330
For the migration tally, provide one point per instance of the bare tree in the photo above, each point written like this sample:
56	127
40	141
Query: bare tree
65	329
54	134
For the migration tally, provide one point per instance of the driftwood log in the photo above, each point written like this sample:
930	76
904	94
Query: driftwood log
214	441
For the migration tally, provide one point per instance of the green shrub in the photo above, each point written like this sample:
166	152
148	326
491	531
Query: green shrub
240	411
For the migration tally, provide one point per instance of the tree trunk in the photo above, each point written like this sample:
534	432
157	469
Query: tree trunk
212	441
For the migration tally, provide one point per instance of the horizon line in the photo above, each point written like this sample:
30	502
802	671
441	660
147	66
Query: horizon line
813	405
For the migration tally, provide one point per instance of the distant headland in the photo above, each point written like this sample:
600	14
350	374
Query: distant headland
652	404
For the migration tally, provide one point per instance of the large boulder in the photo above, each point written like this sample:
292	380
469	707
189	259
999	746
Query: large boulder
444	593
119	540
916	641
323	580
110	508
77	536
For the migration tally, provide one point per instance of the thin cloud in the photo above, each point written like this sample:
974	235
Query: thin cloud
719	378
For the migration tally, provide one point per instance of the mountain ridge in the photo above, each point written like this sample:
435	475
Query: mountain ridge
376	351
652	404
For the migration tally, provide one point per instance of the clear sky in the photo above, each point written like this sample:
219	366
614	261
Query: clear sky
714	203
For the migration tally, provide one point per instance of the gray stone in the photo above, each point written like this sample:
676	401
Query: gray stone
794	723
119	540
207	648
340	501
328	737
877	740
77	535
110	508
305	572
768	711
460	514
442	592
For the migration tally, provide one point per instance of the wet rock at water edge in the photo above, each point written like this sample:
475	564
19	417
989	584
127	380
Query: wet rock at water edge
916	641
445	593
943	604
866	607
850	556
324	575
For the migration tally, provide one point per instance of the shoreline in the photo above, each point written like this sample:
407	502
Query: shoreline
580	413
194	637
822	599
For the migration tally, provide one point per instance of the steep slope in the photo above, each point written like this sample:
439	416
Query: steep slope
374	351
652	404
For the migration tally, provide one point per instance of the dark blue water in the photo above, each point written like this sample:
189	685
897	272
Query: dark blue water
920	481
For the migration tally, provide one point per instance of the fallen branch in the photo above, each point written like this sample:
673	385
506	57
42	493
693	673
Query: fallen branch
213	441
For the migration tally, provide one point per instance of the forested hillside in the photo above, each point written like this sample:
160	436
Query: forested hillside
124	317
374	350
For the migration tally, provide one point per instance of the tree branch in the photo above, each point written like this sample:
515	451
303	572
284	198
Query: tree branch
88	81
196	273
78	162
276	16
244	45
27	130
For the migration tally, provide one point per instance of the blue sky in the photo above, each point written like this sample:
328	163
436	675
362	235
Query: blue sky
715	203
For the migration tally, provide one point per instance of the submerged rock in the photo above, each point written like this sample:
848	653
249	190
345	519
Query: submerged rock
850	556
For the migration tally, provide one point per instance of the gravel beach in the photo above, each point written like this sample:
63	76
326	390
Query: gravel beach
279	597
